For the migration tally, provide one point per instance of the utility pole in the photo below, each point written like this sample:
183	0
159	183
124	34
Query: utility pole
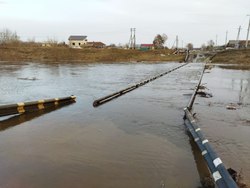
132	39
226	38
248	32
237	45
134	44
216	39
177	41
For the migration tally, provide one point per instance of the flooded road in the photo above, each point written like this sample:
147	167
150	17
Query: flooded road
137	140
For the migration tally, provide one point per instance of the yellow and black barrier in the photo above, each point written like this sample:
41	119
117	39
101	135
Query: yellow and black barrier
23	107
13	121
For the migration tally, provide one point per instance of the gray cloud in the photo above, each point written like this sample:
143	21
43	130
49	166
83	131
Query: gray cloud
110	20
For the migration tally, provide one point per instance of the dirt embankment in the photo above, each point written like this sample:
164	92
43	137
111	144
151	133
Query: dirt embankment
60	54
233	57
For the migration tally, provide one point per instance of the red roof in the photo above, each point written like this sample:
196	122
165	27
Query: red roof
147	45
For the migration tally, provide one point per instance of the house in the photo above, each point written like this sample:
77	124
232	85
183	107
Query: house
237	44
146	47
76	41
96	44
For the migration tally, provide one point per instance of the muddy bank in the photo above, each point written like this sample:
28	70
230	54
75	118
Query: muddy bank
61	54
233	57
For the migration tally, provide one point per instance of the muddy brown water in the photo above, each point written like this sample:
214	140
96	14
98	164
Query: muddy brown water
228	130
137	140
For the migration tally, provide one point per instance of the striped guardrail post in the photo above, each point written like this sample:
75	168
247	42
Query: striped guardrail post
112	96
23	107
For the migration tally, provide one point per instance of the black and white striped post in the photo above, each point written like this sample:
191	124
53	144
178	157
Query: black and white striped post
23	107
220	174
112	96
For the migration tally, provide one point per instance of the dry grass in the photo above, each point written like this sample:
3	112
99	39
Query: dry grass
60	54
233	57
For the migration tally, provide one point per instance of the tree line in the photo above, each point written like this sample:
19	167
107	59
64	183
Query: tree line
7	36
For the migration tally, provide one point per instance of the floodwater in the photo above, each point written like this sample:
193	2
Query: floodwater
136	141
228	130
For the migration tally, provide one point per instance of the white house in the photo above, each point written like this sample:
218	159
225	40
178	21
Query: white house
76	41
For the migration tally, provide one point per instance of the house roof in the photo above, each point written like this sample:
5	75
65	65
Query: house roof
77	37
234	42
147	45
96	43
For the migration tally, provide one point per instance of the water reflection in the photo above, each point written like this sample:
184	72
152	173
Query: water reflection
234	67
12	121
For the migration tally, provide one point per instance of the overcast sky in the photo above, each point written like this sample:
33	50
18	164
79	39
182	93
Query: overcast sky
195	21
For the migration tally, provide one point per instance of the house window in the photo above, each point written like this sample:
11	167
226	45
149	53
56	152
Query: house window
73	44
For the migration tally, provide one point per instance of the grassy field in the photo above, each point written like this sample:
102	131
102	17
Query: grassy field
233	57
61	54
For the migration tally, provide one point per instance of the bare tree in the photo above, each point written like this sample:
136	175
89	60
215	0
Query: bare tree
51	41
203	47
210	45
190	46
7	36
159	41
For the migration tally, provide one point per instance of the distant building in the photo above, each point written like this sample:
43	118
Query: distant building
96	44
45	44
237	44
76	41
146	47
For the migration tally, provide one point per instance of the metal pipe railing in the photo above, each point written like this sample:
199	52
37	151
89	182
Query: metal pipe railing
220	174
23	107
112	96
191	101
